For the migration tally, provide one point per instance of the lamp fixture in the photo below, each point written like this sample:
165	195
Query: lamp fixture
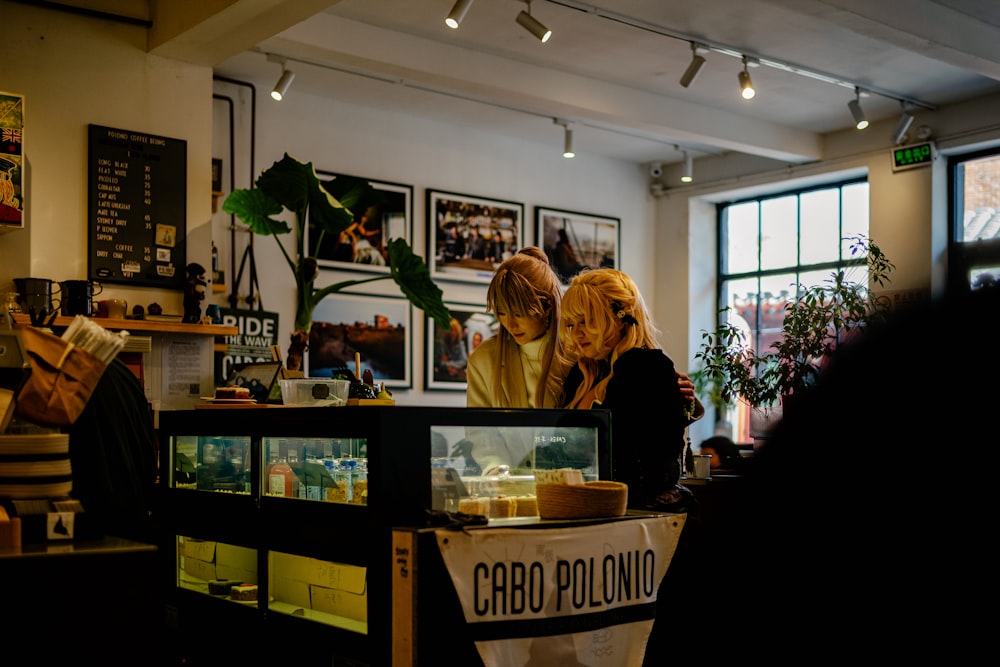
457	13
568	151
687	175
280	88
902	126
533	25
697	61
860	121
747	91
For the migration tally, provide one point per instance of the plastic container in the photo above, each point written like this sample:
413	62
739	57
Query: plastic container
314	392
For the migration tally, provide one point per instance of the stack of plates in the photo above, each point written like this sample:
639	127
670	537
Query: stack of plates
35	466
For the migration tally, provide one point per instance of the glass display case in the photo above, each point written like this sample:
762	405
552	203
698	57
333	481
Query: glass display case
288	512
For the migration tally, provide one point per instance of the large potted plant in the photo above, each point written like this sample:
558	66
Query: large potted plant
292	185
816	321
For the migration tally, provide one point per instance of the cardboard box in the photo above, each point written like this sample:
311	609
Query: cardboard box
334	588
200	549
349	604
236	563
216	560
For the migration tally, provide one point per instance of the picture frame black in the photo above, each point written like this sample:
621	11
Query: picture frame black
375	326
364	246
594	240
476	326
468	236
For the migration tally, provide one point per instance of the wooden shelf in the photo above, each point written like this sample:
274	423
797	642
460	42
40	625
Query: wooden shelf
136	326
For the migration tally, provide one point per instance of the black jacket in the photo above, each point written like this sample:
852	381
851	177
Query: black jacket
647	423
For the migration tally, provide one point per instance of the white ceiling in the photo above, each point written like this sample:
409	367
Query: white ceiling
612	67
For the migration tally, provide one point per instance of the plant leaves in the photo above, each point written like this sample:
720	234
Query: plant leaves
254	208
294	185
414	279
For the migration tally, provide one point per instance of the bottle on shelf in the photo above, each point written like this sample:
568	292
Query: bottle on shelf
280	477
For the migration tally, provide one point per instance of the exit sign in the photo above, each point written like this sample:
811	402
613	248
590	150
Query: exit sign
911	157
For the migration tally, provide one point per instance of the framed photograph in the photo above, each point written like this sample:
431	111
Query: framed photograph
364	246
379	328
448	350
575	241
467	237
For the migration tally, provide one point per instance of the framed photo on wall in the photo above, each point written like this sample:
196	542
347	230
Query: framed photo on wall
574	241
379	328
364	246
468	236
448	350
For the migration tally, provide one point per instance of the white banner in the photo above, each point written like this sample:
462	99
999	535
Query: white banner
579	595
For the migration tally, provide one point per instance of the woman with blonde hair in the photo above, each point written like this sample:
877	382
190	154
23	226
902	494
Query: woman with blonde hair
522	365
621	367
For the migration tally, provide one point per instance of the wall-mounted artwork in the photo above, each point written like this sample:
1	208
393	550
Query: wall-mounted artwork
468	236
379	328
364	246
11	159
574	241
448	350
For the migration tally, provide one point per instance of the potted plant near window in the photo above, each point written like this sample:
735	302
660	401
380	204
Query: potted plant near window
816	321
292	185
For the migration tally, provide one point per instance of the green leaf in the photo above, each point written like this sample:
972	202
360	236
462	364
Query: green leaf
294	185
414	279
254	208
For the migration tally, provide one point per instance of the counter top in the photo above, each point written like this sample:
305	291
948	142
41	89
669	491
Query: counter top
137	326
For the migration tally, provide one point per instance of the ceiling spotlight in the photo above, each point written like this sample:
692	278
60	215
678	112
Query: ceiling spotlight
688	174
903	125
280	88
533	25
746	85
697	61
860	122
567	138
457	13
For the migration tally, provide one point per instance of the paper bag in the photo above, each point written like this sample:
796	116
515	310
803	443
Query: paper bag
62	378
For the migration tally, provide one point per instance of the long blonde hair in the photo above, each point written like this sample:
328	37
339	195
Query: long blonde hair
599	300
526	285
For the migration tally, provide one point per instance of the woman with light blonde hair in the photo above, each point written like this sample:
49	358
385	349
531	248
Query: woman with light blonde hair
621	367
522	365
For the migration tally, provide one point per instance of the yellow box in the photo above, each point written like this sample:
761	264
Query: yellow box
340	602
199	569
334	588
200	549
236	563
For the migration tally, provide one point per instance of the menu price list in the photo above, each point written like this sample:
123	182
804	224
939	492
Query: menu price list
137	208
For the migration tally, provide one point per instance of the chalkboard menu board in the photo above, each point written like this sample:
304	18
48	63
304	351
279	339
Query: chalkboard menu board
137	208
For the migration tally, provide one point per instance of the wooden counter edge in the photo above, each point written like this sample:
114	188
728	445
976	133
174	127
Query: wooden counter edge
137	326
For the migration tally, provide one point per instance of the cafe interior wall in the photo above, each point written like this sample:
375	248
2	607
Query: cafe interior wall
402	148
74	72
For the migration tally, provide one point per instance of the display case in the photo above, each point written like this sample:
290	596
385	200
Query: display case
297	506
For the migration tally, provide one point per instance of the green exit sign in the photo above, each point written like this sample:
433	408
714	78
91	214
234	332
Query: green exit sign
911	157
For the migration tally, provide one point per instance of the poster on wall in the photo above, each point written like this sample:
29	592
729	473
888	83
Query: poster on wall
576	241
11	159
364	246
376	328
258	331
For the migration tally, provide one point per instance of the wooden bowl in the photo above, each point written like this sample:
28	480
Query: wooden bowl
589	500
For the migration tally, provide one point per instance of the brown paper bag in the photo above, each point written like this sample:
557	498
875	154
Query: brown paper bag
62	378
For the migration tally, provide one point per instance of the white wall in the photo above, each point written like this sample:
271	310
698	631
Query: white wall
74	72
399	148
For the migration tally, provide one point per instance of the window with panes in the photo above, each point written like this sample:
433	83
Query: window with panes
768	246
974	239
